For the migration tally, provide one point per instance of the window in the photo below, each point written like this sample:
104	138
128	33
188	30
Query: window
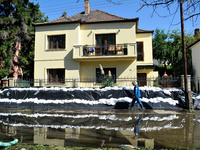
104	40
56	75
106	72
56	42
140	52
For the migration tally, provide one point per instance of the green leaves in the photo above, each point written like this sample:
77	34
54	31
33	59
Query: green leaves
167	49
17	18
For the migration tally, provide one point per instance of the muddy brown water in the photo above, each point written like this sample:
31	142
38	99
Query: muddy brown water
102	127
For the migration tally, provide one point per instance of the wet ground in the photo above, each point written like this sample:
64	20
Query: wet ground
102	127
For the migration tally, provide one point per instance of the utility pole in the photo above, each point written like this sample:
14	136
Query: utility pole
188	100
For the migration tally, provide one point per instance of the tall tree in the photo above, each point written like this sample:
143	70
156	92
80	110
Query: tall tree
17	36
160	47
167	48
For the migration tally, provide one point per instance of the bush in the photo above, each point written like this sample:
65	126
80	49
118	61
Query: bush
107	81
22	83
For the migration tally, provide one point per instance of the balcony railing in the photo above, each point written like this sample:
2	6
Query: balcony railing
128	49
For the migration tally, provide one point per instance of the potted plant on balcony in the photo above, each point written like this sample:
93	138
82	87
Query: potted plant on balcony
125	48
85	50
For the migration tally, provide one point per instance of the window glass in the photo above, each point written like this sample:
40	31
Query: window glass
103	39
140	52
56	75
56	42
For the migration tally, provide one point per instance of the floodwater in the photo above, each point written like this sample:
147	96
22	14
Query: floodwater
102	127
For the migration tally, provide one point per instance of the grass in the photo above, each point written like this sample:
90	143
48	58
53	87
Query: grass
23	146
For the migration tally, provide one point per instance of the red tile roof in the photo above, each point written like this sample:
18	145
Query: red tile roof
95	16
144	31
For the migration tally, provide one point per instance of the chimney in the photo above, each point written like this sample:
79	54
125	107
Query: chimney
87	7
196	32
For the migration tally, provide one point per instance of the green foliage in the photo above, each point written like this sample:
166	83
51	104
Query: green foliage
125	45
107	81
160	46
54	147
22	83
85	47
16	24
167	49
161	69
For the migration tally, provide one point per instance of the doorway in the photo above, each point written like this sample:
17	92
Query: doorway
142	79
104	40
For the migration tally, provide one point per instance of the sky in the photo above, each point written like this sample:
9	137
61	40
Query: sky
124	8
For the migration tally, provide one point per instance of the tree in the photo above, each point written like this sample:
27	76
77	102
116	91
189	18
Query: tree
17	36
161	49
167	48
191	8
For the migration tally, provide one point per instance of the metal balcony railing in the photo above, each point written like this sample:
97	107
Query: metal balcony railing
105	50
100	50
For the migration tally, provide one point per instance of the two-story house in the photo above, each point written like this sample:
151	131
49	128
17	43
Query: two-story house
75	47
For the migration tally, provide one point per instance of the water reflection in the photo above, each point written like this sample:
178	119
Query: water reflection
110	129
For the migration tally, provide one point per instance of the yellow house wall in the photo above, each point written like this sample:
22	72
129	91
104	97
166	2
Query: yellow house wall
52	59
146	38
147	46
151	75
125	32
195	59
77	34
123	69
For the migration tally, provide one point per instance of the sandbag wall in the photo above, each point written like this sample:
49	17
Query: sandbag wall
109	97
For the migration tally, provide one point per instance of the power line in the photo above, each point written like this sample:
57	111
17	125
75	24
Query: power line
76	9
70	7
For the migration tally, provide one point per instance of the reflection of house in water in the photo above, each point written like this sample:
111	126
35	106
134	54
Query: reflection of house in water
58	137
8	129
137	142
179	131
89	137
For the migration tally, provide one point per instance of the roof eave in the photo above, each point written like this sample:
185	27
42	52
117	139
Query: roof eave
151	31
110	21
145	66
53	23
194	43
82	22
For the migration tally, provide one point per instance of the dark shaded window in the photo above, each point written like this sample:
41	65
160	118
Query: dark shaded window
104	41
140	51
56	75
56	42
106	72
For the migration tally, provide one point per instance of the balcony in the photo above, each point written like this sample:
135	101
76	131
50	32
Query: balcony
107	53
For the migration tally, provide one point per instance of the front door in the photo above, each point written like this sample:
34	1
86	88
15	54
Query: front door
142	79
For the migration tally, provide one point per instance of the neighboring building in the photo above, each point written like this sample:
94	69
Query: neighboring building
73	47
195	47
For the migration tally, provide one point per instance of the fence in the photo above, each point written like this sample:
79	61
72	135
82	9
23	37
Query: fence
92	82
171	82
